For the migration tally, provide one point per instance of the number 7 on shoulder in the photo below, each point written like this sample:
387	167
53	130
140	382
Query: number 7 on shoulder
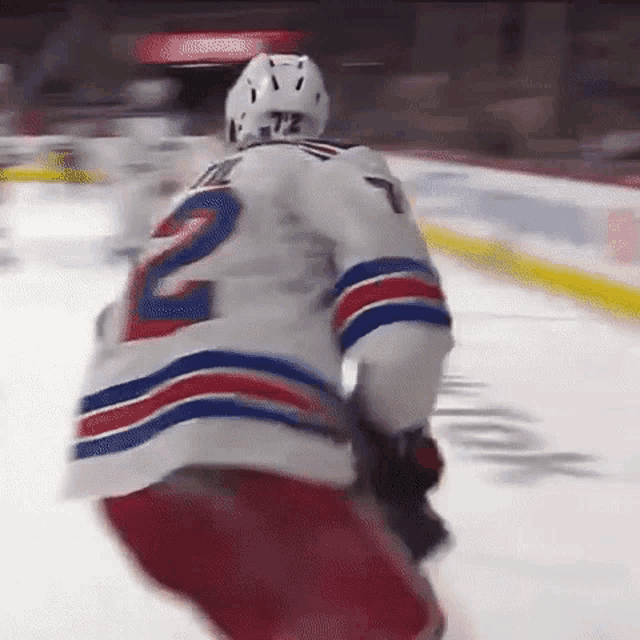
202	223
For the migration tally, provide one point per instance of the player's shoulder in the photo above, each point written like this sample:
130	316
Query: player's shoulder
324	151
319	156
354	158
275	156
264	164
278	157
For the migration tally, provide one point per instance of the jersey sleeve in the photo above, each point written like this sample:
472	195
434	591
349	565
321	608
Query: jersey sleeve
389	308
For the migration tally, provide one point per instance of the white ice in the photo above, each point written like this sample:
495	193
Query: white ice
540	553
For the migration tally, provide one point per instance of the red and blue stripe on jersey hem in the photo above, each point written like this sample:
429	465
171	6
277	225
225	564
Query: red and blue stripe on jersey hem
208	384
383	291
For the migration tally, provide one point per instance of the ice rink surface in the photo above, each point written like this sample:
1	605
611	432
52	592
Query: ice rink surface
538	417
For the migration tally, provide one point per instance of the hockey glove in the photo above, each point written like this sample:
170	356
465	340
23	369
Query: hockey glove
398	471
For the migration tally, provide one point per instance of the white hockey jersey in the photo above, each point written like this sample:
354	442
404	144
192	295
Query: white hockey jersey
227	346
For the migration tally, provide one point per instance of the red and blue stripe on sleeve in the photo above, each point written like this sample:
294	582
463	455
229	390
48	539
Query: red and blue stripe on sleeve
383	291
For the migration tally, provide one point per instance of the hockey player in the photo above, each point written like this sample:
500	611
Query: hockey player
149	165
212	430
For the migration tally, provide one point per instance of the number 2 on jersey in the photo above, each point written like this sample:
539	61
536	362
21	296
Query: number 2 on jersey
199	225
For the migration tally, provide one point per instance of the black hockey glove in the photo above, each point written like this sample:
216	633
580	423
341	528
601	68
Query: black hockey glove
398	471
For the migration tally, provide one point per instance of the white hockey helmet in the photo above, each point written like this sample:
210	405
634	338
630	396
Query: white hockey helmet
277	97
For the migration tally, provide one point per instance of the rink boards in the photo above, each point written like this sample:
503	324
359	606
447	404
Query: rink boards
593	289
564	236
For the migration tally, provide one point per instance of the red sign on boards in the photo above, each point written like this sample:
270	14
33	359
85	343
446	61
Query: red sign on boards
214	47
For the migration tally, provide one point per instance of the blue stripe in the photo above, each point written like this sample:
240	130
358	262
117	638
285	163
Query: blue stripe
380	267
371	319
202	360
200	408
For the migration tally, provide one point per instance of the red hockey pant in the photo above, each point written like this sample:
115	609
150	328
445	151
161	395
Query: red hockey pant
272	558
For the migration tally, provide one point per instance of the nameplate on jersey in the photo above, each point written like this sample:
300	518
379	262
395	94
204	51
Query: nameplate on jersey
217	175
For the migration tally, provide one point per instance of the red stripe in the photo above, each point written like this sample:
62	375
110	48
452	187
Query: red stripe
124	416
321	147
387	289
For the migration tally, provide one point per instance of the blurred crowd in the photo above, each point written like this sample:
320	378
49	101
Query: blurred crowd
511	80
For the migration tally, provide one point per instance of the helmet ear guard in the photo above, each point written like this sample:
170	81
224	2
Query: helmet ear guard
277	97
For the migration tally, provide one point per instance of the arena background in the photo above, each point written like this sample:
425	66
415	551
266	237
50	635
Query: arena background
509	79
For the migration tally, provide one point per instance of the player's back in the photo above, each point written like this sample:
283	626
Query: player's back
292	218
272	272
274	264
222	338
